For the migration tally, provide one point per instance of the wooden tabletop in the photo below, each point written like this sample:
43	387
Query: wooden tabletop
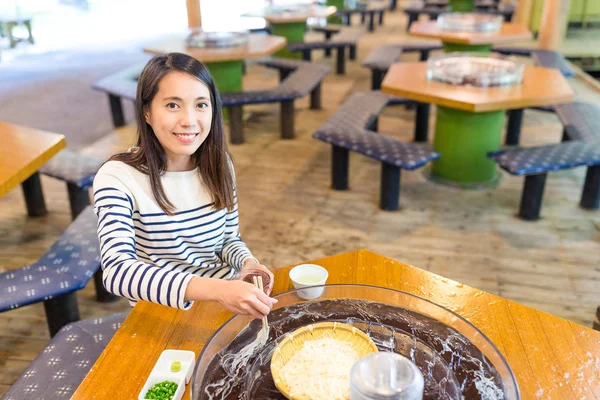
23	151
508	33
541	86
257	46
552	358
292	16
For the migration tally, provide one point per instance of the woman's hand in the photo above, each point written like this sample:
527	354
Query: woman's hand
243	298
251	263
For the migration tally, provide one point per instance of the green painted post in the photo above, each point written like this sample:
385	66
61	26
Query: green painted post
462	5
227	76
334	19
479	48
463	139
293	32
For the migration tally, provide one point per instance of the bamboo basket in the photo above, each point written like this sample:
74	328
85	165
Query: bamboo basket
294	341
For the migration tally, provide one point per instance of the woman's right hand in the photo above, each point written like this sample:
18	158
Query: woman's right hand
243	298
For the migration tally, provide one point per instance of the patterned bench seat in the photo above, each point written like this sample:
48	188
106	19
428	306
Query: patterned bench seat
553	59
346	131
78	171
581	120
535	163
346	37
299	79
542	58
120	85
60	368
65	268
382	58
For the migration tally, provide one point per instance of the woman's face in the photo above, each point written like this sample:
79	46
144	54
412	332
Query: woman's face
180	116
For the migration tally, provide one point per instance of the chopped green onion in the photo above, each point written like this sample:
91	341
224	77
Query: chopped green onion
162	391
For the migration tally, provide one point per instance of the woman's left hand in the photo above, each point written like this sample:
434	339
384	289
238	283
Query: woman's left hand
251	263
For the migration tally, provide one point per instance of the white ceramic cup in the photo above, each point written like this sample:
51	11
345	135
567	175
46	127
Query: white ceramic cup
306	276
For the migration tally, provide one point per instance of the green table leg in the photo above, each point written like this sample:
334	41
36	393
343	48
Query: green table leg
462	5
293	32
227	76
479	48
463	139
335	19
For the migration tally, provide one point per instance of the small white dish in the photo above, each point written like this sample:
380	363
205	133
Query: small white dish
162	371
307	276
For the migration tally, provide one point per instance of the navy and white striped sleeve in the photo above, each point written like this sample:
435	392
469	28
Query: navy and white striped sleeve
123	274
235	251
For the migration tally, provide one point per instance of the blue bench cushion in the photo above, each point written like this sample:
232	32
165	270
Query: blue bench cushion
66	267
508	50
60	368
383	57
581	120
257	96
358	110
431	11
73	167
121	84
331	28
346	129
286	64
552	59
385	149
537	160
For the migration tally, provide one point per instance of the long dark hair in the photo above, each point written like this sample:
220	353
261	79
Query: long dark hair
212	158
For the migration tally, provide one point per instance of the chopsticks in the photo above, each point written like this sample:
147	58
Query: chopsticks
259	283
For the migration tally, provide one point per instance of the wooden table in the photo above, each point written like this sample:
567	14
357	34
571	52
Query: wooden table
23	151
290	22
470	41
470	120
552	358
225	63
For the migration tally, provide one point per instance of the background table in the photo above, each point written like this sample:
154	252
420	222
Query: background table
470	41
225	63
23	151
551	357
470	120
292	24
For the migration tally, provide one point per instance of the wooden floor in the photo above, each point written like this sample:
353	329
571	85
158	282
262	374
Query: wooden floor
289	214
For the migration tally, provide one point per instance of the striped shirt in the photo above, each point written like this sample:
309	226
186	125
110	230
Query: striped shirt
148	255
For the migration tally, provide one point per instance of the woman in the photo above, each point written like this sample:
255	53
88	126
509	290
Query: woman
167	209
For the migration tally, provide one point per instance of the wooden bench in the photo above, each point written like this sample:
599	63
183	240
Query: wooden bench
61	367
78	172
381	58
581	120
297	79
345	38
542	58
535	162
347	131
300	79
65	268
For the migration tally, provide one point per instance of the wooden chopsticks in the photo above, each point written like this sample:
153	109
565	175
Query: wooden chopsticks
259	283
